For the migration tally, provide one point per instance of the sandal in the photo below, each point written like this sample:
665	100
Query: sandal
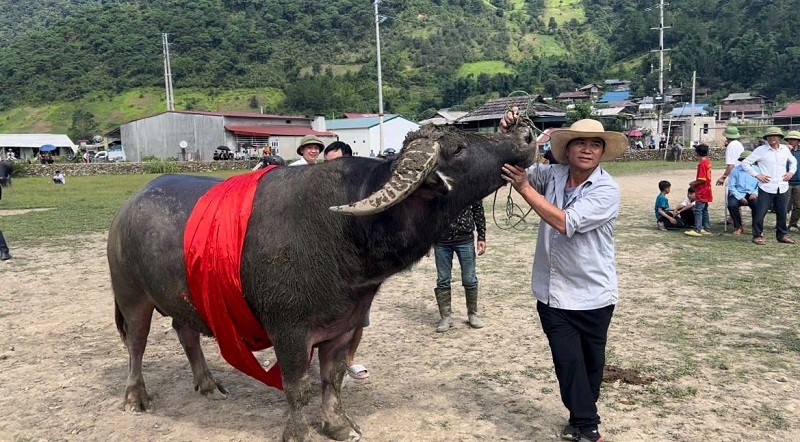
759	240
358	372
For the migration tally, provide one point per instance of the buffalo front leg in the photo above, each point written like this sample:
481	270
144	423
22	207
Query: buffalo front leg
335	422
294	356
133	323
203	381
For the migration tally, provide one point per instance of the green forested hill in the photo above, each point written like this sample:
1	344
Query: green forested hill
310	56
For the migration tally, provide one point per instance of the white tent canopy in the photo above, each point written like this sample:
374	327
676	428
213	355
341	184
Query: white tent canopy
35	141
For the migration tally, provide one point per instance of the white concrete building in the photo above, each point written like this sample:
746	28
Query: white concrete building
363	134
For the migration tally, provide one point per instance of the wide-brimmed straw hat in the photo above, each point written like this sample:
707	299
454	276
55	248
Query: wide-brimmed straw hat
616	143
731	133
774	131
309	139
792	135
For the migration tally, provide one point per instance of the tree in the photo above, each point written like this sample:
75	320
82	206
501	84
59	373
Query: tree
84	127
579	112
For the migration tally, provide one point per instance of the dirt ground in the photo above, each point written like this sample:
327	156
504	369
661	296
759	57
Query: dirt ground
63	367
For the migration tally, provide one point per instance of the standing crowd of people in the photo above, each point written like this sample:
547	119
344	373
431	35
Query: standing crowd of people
765	180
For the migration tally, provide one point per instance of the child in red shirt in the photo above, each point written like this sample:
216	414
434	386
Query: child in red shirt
703	193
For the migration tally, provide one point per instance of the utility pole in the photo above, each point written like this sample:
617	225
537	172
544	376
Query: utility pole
167	72
378	20
691	123
661	50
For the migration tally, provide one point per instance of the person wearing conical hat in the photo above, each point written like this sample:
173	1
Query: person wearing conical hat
793	140
733	150
574	278
772	159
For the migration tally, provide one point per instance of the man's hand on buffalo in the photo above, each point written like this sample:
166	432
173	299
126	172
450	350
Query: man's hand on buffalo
517	177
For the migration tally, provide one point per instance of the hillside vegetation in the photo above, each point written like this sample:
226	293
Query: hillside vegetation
101	64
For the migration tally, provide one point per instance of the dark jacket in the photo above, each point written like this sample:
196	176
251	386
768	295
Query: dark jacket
460	230
795	179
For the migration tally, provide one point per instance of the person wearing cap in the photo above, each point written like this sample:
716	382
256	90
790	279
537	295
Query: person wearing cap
574	277
773	178
793	140
309	149
733	150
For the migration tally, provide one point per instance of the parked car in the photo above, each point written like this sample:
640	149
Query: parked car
110	155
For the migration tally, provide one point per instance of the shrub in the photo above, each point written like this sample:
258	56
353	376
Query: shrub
159	166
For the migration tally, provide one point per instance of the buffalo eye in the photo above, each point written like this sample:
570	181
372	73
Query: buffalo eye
460	148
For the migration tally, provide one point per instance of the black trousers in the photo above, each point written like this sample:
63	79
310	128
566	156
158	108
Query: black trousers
778	201
687	216
578	345
734	208
3	244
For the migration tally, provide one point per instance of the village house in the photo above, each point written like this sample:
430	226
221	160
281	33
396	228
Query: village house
486	118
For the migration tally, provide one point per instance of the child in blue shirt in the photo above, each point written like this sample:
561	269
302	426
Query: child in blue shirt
665	217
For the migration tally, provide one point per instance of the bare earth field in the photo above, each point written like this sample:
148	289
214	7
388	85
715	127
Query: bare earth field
723	362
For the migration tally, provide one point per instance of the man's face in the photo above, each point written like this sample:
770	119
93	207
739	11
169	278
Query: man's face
585	153
793	143
692	196
773	140
333	155
310	152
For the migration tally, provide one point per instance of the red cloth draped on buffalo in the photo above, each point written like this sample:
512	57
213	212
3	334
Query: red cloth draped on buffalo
212	246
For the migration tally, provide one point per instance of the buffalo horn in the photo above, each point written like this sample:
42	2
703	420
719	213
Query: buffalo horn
410	170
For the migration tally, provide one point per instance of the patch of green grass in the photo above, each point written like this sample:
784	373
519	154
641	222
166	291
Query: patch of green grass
620	168
490	67
564	11
83	205
545	45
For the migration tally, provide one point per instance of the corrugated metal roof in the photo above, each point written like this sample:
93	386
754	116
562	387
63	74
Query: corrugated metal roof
608	111
357	115
792	110
357	123
246	129
614	96
35	140
243	115
741	96
686	110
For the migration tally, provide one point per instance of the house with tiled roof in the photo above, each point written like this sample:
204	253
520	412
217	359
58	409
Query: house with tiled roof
790	116
486	118
571	97
735	113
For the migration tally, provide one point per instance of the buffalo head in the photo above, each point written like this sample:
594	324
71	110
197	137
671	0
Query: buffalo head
446	161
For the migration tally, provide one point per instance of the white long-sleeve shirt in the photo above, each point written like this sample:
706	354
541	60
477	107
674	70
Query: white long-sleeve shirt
772	163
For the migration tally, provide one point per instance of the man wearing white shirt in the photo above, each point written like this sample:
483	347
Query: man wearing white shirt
733	150
773	183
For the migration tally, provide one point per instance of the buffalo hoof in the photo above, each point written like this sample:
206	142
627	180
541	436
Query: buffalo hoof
211	389
136	400
345	429
295	432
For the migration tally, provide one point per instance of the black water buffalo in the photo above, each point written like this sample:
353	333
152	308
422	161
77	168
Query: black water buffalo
308	271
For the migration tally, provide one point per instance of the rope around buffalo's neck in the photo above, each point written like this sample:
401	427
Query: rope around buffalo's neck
515	214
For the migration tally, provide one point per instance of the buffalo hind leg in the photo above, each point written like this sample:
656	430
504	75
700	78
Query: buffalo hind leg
133	324
335	422
203	380
293	355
